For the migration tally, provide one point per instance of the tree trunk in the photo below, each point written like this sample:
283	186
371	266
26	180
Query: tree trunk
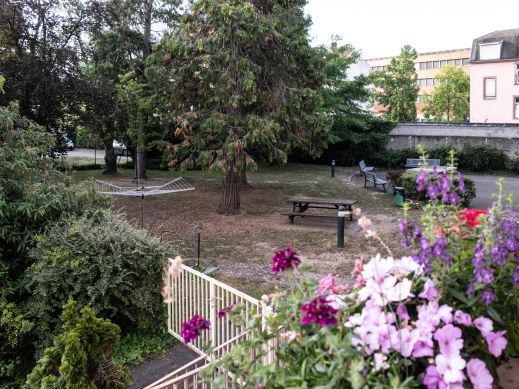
110	158
230	202
244	184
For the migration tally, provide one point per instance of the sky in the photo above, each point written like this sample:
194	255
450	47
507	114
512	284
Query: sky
379	28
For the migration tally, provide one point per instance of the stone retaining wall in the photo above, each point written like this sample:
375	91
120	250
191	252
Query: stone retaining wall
409	135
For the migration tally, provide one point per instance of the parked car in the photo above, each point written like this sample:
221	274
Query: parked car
67	144
119	148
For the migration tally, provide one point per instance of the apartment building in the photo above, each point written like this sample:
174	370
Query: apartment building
494	78
427	67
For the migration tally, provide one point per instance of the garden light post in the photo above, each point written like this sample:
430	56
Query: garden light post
333	168
196	253
340	227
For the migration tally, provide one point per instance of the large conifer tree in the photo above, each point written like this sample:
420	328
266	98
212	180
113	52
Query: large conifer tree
237	76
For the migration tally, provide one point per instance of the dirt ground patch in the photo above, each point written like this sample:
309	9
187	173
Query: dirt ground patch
241	245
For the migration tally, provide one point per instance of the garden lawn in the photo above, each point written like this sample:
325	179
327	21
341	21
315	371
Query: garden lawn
241	246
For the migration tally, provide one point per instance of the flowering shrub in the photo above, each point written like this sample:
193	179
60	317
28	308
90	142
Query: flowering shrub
439	317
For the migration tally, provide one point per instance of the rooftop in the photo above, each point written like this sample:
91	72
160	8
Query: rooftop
509	48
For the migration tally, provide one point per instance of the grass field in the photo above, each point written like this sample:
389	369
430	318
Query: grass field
242	245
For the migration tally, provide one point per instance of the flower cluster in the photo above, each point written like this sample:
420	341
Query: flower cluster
496	249
328	285
284	259
385	326
471	216
224	311
320	311
193	328
439	185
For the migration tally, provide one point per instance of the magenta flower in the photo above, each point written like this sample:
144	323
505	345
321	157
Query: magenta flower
319	311
496	342
430	292
449	339
284	259
479	375
191	329
225	311
483	324
462	318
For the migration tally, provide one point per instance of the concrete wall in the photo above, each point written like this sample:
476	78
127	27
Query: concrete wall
500	109
409	135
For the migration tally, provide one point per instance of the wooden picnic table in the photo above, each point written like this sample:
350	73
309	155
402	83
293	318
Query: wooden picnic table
300	204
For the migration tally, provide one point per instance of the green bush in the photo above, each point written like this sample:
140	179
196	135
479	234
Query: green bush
101	262
391	159
86	139
136	347
513	165
408	181
82	354
482	158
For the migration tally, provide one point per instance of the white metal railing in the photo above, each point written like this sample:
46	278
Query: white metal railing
193	292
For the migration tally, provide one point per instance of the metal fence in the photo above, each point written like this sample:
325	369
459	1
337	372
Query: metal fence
193	292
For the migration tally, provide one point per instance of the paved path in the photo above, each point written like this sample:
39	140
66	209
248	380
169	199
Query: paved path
486	187
150	371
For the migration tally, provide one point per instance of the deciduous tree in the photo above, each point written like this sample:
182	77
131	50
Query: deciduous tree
397	89
449	101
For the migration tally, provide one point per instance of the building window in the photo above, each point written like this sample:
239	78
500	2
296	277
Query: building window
465	61
451	62
516	107
490	50
458	62
429	82
422	65
429	65
517	73
436	64
489	88
443	63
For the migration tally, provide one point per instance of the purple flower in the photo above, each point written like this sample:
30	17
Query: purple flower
191	329
225	311
484	275
444	184
470	289
432	191
515	275
453	198
424	347
320	311
430	292
432	378
479	375
496	342
284	259
449	339
487	296
421	180
462	318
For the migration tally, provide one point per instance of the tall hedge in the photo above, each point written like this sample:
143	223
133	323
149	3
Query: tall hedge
102	262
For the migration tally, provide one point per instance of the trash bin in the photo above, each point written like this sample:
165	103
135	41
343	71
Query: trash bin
399	194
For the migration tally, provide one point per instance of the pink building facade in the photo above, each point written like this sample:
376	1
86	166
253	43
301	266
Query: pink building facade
494	78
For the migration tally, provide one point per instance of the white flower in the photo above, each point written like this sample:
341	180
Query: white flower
451	368
401	291
407	265
336	302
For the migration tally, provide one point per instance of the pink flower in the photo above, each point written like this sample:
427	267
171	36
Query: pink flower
479	375
288	336
424	347
404	340
449	340
496	342
357	267
359	282
462	318
176	267
401	291
165	292
336	302
483	324
380	362
402	313
450	367
364	223
328	285
429	291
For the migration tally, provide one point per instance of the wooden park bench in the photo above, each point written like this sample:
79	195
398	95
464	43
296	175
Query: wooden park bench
364	168
372	177
301	204
418	162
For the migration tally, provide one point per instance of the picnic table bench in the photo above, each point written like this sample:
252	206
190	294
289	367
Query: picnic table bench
301	204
